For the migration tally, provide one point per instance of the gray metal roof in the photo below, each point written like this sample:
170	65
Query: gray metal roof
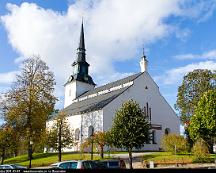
94	103
111	85
99	101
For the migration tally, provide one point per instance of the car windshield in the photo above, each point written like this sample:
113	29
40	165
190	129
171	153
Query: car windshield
93	165
113	163
68	165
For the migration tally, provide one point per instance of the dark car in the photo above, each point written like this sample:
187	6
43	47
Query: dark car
112	164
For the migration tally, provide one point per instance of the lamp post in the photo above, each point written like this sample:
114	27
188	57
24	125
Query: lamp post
30	152
92	147
91	135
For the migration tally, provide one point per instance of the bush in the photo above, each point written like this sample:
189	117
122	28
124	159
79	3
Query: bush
200	151
174	143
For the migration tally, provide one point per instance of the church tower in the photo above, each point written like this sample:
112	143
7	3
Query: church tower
80	81
144	63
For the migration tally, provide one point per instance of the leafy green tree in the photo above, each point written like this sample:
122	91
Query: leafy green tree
130	129
59	134
174	143
194	84
203	122
30	100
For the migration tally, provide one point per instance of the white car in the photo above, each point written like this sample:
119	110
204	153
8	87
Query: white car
75	164
12	166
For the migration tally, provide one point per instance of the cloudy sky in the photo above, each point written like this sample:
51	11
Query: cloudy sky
178	36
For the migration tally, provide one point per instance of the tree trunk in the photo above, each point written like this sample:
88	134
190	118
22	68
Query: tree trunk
130	158
189	140
59	142
210	146
102	153
2	156
59	154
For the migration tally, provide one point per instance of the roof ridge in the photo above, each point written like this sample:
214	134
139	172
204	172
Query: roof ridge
111	85
93	104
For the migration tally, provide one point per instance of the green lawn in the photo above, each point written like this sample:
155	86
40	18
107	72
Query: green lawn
167	157
45	159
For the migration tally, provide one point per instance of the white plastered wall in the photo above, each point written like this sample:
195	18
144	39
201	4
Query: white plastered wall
82	122
161	112
75	89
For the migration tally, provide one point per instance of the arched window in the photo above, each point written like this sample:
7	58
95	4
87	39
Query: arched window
90	131
77	134
167	131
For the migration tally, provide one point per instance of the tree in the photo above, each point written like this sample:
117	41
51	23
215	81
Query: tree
7	142
203	122
194	84
100	140
59	134
174	143
30	100
130	128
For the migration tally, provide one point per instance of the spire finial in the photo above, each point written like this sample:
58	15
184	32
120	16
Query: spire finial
144	56
143	51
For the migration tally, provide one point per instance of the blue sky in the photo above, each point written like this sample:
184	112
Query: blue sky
178	36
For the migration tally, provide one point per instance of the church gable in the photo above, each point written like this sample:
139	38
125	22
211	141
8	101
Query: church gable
99	97
145	92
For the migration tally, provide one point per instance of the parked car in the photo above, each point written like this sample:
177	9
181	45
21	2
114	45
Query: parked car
76	164
12	166
112	164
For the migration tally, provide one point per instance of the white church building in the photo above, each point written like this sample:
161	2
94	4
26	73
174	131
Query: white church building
89	107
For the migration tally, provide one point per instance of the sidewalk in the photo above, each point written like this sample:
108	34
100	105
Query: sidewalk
138	165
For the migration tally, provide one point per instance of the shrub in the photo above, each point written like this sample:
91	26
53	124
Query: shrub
200	151
174	143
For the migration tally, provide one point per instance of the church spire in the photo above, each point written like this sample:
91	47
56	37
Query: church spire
143	62
81	49
80	66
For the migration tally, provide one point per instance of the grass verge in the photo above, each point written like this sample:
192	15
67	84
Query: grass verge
46	159
167	157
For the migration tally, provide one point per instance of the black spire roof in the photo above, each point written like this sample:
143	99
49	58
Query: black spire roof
81	49
82	38
80	66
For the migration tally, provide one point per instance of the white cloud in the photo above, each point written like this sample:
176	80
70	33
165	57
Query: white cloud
198	9
114	30
175	76
206	55
6	78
